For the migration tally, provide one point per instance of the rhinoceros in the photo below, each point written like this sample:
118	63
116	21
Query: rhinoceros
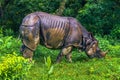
55	32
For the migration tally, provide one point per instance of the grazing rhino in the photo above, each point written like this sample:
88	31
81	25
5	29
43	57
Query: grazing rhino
56	32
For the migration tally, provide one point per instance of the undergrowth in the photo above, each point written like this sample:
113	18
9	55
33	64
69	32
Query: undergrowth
82	68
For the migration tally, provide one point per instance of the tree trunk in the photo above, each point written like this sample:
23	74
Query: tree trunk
60	10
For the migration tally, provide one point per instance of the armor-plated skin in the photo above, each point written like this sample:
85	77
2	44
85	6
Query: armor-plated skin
55	32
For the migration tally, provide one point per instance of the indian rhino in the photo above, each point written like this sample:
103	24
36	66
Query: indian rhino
56	32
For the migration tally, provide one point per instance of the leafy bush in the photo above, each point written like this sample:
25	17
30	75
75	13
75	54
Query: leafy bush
8	32
114	50
15	10
13	67
48	64
8	44
110	45
44	70
116	31
99	16
103	42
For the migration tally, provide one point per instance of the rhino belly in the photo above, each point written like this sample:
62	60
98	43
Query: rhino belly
54	37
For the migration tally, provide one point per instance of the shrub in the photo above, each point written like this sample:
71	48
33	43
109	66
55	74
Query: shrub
48	68
99	16
108	44
114	50
103	42
116	31
8	32
13	67
8	44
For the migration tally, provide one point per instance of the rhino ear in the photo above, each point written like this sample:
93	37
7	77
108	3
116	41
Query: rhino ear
104	53
90	35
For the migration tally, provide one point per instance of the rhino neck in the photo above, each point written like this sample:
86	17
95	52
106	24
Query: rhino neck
87	37
84	31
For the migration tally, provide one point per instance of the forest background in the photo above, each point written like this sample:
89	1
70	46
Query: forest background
101	17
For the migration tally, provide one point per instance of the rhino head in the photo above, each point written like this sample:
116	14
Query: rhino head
91	48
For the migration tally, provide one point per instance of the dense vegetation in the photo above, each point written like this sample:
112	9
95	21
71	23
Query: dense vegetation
98	16
13	66
101	17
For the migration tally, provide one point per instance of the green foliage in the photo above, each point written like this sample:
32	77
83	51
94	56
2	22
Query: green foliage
101	15
42	70
8	32
82	68
72	7
48	68
103	42
114	50
48	63
8	45
13	67
16	10
98	16
116	32
107	44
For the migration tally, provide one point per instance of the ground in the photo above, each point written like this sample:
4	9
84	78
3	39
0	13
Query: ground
82	68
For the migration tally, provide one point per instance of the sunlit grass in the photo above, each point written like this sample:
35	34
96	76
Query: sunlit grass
82	68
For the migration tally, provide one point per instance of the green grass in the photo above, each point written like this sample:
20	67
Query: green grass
82	68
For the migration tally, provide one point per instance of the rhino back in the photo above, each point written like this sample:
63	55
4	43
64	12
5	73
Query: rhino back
54	29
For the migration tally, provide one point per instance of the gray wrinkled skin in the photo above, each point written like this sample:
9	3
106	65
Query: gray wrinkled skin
56	32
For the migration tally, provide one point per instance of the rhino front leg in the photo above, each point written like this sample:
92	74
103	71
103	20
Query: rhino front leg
65	51
69	57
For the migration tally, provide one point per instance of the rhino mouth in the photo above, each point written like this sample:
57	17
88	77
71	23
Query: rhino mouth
98	54
95	55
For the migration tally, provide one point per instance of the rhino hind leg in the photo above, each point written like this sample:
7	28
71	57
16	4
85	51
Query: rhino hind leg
66	51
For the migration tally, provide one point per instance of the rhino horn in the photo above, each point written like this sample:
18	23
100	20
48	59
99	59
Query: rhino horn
103	54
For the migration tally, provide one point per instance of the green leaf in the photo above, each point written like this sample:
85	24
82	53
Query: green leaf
9	44
51	70
48	62
45	61
1	41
